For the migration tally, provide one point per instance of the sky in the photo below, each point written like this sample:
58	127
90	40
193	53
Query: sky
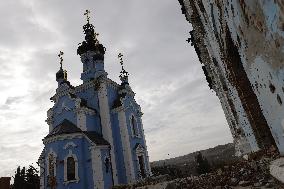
181	113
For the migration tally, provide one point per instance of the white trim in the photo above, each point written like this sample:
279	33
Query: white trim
139	152
83	109
146	151
126	148
41	174
63	137
77	179
49	119
51	152
92	84
106	126
71	136
97	168
138	135
63	107
50	128
105	158
82	120
69	144
85	86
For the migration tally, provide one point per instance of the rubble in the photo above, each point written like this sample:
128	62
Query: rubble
251	173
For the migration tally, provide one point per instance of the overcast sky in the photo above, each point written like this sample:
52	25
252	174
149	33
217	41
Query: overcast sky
181	114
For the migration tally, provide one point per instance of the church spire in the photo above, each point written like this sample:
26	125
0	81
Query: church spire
91	53
123	73
61	75
91	42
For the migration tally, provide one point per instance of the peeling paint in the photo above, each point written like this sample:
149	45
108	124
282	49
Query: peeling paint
240	44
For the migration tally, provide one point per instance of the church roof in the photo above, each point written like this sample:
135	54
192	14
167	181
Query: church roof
96	138
67	127
41	155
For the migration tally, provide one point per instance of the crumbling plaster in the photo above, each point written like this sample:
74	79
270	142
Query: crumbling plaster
256	28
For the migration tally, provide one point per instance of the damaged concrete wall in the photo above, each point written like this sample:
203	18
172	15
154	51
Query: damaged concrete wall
241	46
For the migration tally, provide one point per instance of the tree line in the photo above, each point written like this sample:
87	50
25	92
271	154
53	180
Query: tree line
26	178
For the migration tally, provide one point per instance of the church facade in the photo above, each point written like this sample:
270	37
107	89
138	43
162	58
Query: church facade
96	137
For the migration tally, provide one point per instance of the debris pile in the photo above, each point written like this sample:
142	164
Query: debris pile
251	173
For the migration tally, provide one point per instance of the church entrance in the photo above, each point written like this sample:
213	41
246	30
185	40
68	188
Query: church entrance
142	166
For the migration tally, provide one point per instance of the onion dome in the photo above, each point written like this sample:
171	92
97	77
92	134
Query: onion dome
61	75
91	42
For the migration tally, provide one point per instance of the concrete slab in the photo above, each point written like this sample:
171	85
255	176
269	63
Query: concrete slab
277	169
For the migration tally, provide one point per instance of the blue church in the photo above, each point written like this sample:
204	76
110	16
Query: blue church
96	138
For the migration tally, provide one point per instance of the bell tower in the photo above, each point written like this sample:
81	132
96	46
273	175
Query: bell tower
91	53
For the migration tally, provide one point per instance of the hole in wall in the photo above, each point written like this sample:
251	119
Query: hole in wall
272	88
279	99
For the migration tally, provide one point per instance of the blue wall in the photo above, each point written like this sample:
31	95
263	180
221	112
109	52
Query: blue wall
84	163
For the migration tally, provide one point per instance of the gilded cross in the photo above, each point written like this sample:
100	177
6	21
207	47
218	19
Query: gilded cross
87	14
60	55
120	58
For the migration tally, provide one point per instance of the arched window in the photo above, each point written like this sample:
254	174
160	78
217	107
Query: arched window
51	177
107	164
51	165
134	126
70	169
71	173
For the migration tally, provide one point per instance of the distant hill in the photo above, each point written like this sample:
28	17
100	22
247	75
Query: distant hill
217	155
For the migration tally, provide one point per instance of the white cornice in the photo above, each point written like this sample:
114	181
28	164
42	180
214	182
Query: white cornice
88	85
84	86
99	147
94	83
62	137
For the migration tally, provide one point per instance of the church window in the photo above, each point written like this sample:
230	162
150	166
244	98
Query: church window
141	164
142	172
70	168
107	164
51	177
51	165
134	126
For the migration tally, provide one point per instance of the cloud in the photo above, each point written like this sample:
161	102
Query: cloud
181	114
15	99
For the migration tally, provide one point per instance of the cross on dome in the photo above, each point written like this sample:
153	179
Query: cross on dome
60	55
120	55
91	42
87	14
123	73
61	74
